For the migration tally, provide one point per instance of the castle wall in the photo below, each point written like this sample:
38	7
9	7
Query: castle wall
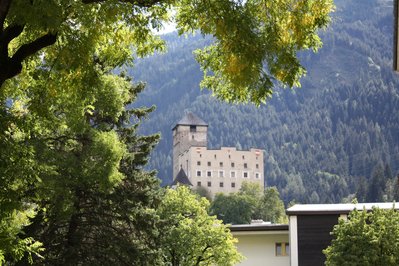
222	170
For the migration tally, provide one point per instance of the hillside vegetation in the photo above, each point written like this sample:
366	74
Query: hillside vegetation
322	141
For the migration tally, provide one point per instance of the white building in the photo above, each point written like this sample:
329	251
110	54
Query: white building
262	244
221	170
300	243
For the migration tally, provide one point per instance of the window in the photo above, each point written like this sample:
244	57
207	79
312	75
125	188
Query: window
193	128
232	165
282	249
233	174
215	156
221	184
209	184
229	156
198	183
243	157
198	173
233	184
209	173
245	174
200	155
221	164
257	166
209	164
198	162
221	173
192	137
245	165
257	175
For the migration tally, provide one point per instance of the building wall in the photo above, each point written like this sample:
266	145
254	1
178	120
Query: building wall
309	235
314	236
222	170
260	249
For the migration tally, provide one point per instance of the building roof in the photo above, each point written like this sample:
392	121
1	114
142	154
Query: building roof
190	119
181	178
344	208
258	227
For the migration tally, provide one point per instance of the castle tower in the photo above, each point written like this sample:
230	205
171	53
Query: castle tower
190	131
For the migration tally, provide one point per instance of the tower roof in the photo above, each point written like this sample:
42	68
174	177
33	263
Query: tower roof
181	178
190	119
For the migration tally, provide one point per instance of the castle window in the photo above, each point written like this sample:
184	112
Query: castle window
245	165
209	184
193	128
233	184
200	155
198	162
221	164
221	173
243	157
221	184
257	175
198	173
209	173
192	137
232	164
198	183
245	174
257	166
209	163
214	156
229	156
233	174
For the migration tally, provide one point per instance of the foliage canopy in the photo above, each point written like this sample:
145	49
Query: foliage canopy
255	42
194	237
250	203
367	238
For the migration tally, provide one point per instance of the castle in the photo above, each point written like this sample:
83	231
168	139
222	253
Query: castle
221	170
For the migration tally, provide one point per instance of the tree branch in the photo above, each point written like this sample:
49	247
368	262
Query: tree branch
10	67
6	37
201	257
10	33
31	48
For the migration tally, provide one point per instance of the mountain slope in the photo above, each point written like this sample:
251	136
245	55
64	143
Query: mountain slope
318	139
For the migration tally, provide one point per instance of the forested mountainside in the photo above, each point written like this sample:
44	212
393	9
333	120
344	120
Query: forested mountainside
323	141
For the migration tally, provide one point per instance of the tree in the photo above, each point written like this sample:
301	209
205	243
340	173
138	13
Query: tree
377	185
82	220
251	189
367	238
59	110
60	97
191	236
233	208
250	203
272	207
252	193
203	192
361	189
255	41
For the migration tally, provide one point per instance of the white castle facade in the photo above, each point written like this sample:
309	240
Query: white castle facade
221	170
